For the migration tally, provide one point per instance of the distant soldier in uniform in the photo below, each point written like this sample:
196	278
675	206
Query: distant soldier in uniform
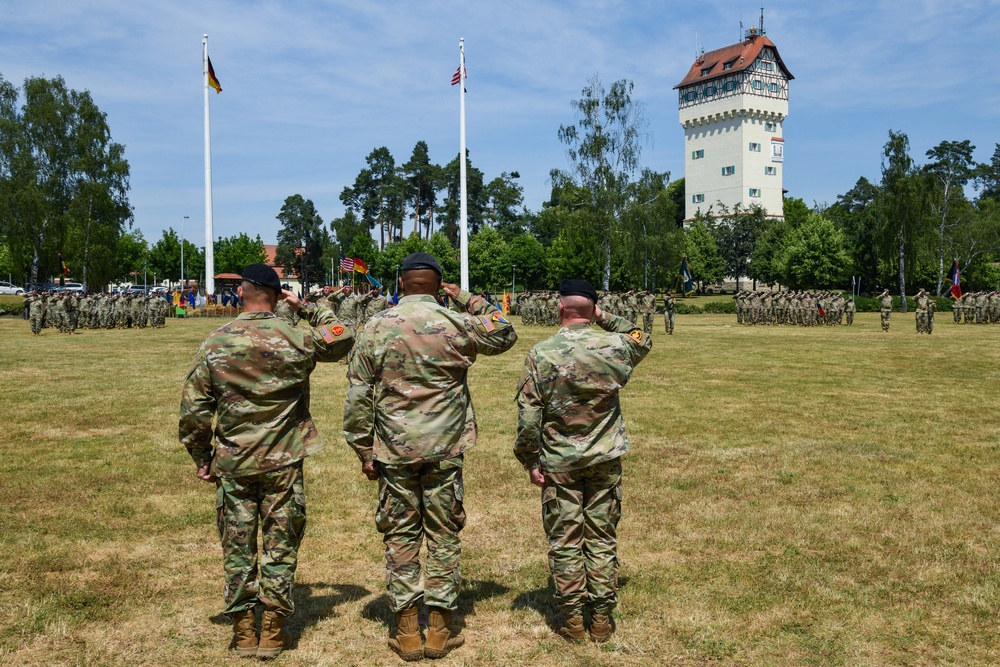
850	309
252	377
36	312
669	306
409	418
920	300
931	307
570	438
647	304
885	308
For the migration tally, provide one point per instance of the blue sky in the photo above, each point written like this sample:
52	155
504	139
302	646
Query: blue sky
310	88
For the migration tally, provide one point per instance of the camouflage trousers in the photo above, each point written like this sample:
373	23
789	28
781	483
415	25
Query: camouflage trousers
668	321
580	512
885	319
647	323
36	324
276	501
850	317
921	321
414	502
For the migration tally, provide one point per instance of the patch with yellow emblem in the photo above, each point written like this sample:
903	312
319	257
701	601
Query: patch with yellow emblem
498	317
636	334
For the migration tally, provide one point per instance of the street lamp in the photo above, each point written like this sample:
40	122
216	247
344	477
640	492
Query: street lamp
513	273
395	286
182	251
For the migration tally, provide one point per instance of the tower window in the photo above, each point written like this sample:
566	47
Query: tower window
757	84
709	91
771	171
697	199
705	71
728	171
774	88
770	127
698	154
729	85
766	65
691	96
754	147
755	193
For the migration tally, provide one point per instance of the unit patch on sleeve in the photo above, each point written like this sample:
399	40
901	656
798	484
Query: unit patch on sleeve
636	334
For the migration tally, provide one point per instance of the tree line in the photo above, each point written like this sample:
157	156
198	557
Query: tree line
609	218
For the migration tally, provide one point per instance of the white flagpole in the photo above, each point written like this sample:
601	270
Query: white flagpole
464	228
209	235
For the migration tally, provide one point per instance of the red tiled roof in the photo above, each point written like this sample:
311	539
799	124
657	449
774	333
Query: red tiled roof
271	250
741	55
228	276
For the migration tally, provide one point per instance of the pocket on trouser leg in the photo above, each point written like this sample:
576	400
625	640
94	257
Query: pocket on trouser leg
383	514
220	510
550	509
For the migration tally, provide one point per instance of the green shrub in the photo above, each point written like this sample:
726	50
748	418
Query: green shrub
682	308
11	305
720	307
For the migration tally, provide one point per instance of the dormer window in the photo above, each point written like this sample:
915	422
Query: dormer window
705	71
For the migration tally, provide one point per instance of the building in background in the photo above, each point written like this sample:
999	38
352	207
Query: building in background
733	104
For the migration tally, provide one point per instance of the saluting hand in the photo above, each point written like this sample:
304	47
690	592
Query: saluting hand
291	298
451	289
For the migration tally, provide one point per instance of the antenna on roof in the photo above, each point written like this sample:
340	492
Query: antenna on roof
762	21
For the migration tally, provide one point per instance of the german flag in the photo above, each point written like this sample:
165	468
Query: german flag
360	266
213	81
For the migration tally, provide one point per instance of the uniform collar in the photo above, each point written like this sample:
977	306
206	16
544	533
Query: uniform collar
418	297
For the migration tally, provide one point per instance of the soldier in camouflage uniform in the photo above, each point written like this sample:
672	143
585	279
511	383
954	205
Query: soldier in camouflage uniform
647	305
252	377
849	310
36	312
669	306
920	301
885	309
409	418
570	438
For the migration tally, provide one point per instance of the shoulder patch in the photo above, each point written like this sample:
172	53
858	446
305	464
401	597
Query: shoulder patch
325	333
498	317
487	323
337	330
636	334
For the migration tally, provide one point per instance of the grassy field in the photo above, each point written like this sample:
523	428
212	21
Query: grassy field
794	496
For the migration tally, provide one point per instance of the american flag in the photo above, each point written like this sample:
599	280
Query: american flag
346	264
459	74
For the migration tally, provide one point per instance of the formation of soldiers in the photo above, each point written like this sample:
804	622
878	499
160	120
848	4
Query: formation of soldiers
977	308
542	308
69	311
348	305
807	309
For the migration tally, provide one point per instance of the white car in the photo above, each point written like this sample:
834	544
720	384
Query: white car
7	288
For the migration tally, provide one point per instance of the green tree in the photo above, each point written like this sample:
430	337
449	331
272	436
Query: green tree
488	267
795	211
572	256
736	234
604	146
446	254
704	260
302	240
988	177
902	204
951	168
857	214
526	257
63	181
346	228
234	253
505	202
814	255
449	212
132	258
421	178
675	191
377	195
652	240
767	263
164	258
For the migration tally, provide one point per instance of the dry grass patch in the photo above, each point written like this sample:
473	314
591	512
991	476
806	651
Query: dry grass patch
794	496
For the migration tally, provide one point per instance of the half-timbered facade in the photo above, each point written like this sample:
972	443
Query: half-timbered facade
733	104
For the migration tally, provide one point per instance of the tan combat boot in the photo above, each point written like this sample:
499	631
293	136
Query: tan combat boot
273	637
440	640
572	628
404	639
601	628
245	633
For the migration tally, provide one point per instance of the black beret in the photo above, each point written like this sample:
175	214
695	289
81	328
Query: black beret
421	260
576	287
263	275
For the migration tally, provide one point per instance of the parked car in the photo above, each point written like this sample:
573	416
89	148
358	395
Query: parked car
8	288
138	289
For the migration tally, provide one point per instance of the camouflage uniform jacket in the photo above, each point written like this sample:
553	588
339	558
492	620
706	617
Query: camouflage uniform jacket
569	416
253	376
647	303
407	392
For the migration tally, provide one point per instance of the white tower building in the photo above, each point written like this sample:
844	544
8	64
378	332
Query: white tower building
733	103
